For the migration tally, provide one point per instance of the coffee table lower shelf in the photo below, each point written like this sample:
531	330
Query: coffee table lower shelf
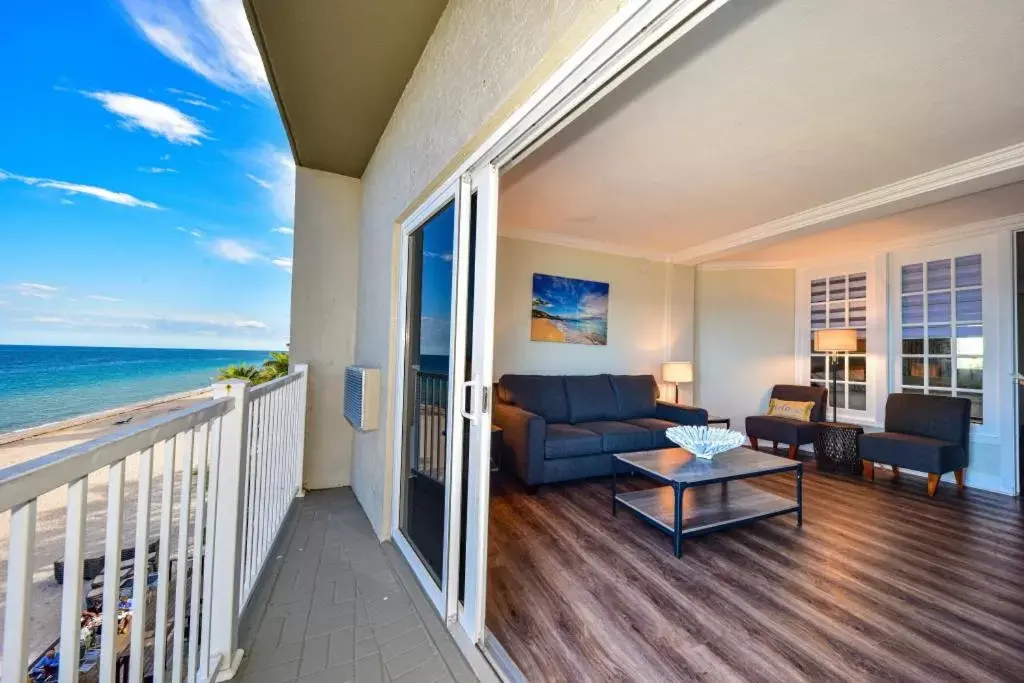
705	508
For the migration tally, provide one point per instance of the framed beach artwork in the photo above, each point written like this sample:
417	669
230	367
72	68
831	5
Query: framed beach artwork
569	311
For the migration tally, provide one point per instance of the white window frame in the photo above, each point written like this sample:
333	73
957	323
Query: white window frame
954	323
997	325
877	336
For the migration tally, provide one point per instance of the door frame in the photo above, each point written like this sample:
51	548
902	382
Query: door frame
636	34
440	595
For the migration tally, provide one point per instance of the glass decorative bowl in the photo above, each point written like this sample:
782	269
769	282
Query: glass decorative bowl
704	442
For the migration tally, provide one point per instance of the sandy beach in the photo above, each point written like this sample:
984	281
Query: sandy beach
45	619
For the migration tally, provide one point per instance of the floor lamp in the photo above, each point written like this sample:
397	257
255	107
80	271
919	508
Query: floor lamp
833	342
676	372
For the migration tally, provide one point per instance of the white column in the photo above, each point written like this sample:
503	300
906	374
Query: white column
227	548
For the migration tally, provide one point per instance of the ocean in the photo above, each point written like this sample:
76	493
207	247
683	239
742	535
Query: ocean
40	384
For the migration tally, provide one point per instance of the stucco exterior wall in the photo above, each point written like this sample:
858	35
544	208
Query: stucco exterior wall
328	209
745	339
483	61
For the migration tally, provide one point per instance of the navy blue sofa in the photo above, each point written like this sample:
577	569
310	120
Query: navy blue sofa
560	428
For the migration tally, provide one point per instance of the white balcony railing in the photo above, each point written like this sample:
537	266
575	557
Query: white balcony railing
214	485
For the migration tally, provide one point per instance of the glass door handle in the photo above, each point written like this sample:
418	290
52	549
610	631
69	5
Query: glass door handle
471	414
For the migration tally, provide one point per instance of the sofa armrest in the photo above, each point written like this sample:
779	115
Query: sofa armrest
684	415
523	433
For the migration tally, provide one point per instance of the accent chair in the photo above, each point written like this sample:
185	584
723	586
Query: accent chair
787	430
925	433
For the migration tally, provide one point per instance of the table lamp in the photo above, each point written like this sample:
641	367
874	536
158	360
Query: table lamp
676	372
833	342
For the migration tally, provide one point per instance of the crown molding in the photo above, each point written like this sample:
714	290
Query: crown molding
918	187
544	237
928	239
747	265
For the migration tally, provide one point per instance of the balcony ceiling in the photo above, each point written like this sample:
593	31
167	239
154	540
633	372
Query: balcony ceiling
338	68
767	110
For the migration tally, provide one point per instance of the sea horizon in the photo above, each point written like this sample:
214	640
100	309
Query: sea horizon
41	384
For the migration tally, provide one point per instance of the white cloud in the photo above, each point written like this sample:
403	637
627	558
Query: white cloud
211	37
284	230
186	93
283	262
165	157
158	118
166	323
189	231
233	250
85	322
35	290
447	258
198	103
67	202
104	194
277	176
265	184
107	299
157	169
4	303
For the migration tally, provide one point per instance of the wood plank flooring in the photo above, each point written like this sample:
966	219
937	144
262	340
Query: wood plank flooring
881	583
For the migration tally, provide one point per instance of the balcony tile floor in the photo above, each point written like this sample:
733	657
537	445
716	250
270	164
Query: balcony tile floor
336	605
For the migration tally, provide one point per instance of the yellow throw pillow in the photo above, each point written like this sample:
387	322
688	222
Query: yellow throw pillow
794	410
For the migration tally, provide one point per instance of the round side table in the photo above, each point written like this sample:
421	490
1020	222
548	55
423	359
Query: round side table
835	447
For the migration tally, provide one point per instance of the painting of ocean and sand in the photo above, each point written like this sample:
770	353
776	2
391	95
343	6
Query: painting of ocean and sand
569	311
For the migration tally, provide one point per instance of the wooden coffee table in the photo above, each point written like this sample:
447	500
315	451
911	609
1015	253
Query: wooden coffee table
688	506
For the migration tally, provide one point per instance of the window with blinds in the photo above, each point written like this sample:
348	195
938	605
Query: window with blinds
840	301
942	345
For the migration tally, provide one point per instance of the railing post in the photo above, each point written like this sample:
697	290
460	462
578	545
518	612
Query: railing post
227	548
302	368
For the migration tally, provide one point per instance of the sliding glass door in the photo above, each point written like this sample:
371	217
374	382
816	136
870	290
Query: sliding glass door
442	396
428	366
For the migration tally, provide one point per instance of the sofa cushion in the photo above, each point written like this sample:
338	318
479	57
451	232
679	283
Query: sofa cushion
912	452
657	429
781	429
637	395
620	437
591	398
542	395
568	441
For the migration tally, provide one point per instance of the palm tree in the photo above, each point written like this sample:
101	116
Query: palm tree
276	366
250	373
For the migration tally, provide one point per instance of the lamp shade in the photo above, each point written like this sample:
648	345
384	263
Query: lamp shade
677	371
835	340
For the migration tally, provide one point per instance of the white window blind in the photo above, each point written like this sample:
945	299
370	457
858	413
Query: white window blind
942	345
841	301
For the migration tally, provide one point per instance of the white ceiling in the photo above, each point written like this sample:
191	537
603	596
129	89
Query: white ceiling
864	238
770	109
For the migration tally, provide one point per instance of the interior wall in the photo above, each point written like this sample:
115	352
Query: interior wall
636	311
680	326
328	211
745	340
483	61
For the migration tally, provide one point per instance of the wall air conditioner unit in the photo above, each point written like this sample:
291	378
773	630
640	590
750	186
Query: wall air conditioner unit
362	397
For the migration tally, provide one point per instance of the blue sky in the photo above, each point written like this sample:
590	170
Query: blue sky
146	183
436	283
570	298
